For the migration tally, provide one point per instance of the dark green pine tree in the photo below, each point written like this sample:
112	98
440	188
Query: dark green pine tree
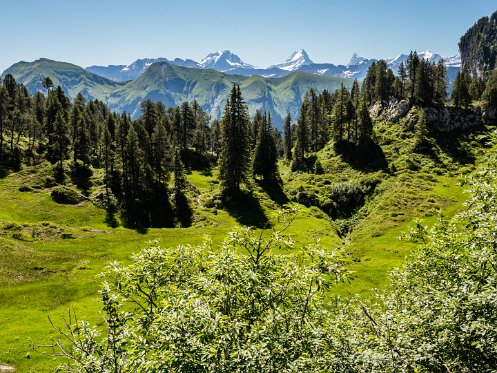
313	119
355	95
489	96
149	117
440	84
364	123
3	116
187	125
177	126
201	132
60	144
47	84
234	157
460	91
342	114
215	137
265	162
402	73
301	141
421	130
256	124
79	124
135	162
412	67
288	140
161	153
423	89
183	210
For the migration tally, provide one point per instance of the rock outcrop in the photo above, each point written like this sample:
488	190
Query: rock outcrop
446	119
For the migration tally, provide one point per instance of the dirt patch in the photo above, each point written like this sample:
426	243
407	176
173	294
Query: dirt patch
6	368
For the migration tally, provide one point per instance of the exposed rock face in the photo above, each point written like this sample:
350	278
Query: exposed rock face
444	119
478	47
448	119
393	112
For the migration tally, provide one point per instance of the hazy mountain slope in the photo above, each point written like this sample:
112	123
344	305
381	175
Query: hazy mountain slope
172	85
73	79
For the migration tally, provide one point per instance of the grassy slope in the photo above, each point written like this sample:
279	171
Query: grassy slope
44	274
51	254
73	79
421	185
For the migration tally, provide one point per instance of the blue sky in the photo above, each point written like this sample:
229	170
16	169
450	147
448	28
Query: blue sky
260	32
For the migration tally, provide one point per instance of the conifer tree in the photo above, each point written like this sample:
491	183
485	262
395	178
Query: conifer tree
215	137
421	129
402	78
423	93
301	139
180	181
460	92
257	123
313	119
3	116
355	95
265	155
188	125
161	153
149	117
47	84
489	96
412	67
60	143
440	84
235	147
342	114
287	131
364	123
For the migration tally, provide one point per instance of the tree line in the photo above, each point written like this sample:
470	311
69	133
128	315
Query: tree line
139	157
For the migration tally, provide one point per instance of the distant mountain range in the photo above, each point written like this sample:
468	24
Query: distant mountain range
278	89
229	63
172	84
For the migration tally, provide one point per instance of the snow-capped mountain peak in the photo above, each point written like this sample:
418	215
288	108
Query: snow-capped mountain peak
356	59
453	61
430	56
223	60
142	64
297	59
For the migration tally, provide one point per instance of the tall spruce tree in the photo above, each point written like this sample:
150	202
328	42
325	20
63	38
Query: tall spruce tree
61	142
287	131
265	155
161	153
3	116
460	92
235	148
364	123
342	114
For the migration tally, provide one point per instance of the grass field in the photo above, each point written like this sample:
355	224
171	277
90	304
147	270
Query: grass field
51	254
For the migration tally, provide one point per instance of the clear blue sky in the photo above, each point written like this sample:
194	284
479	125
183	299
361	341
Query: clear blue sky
261	32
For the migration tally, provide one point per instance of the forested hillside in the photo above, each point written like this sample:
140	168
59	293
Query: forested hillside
478	47
192	220
171	85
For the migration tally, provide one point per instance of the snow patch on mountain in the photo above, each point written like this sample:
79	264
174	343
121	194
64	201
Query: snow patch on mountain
223	61
296	60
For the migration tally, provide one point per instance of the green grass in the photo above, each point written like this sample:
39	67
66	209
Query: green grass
43	274
51	255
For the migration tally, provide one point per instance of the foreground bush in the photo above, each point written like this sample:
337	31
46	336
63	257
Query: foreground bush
240	307
440	312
